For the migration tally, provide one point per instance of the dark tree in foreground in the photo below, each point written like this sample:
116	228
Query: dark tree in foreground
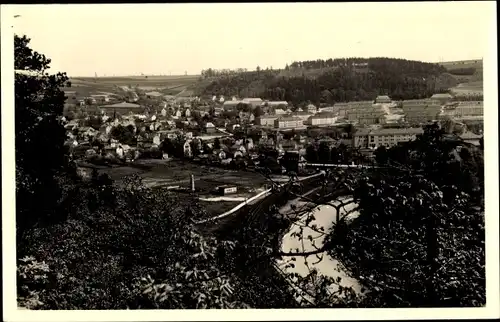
40	135
381	155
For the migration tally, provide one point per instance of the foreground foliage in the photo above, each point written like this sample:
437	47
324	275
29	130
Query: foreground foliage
39	105
126	248
419	239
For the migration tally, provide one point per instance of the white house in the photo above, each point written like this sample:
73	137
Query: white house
250	144
221	155
119	151
187	149
155	126
210	127
156	140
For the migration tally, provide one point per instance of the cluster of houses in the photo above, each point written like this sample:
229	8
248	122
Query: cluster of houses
172	117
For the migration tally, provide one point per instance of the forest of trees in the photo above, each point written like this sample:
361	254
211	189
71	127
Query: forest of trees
338	80
208	73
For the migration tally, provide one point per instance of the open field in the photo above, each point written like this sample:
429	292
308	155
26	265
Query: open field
140	79
158	173
476	63
172	85
470	88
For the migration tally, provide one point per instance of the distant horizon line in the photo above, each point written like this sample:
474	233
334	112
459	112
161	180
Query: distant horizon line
186	75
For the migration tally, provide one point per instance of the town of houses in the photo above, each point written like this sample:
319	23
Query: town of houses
225	130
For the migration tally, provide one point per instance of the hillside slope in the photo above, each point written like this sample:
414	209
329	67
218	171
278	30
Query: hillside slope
338	80
465	71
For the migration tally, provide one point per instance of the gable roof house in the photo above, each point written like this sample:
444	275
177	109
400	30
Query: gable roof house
210	127
276	103
383	99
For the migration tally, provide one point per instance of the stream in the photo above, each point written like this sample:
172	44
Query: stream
325	216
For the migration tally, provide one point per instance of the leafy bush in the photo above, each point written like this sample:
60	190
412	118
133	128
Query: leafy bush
419	239
129	247
33	278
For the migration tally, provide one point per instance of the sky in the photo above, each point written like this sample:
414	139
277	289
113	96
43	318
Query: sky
154	39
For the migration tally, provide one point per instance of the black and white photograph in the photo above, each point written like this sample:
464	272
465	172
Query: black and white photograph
241	156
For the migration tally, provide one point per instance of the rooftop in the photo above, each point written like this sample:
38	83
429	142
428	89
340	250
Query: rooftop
288	119
232	103
470	136
154	93
388	131
123	105
323	115
277	102
301	113
362	131
441	95
252	99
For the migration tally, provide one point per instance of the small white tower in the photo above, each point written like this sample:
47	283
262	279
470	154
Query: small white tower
192	183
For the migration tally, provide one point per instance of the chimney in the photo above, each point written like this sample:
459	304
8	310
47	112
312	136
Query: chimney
192	183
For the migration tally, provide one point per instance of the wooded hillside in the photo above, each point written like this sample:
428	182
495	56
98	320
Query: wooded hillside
337	80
